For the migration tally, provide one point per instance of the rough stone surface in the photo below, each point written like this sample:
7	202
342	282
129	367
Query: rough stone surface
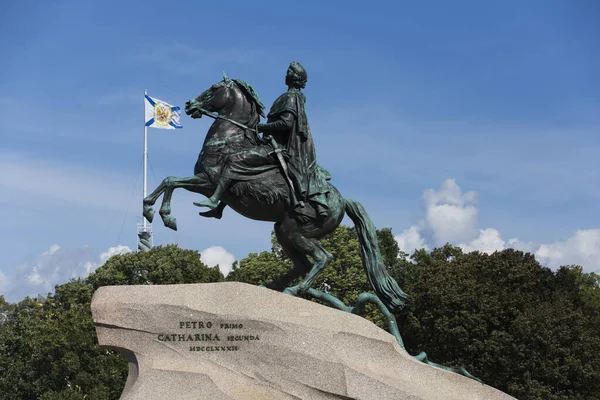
299	350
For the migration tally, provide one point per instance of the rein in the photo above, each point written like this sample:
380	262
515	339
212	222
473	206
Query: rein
217	116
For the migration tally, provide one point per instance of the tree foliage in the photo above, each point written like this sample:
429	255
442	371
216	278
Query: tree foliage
259	268
518	326
159	266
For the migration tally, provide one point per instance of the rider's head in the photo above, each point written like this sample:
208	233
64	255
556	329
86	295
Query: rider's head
296	76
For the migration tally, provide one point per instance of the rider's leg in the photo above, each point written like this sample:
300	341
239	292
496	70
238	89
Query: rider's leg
224	184
213	201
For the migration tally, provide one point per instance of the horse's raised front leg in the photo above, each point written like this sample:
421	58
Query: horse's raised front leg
151	199
196	183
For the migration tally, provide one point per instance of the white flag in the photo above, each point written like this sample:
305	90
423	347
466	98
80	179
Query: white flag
161	115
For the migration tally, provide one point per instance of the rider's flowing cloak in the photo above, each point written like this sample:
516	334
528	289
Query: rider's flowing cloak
309	178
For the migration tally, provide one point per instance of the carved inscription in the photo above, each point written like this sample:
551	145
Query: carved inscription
210	336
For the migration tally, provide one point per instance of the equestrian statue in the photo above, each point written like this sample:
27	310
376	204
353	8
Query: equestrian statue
274	178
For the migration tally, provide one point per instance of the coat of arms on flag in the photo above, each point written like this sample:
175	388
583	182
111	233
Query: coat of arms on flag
160	114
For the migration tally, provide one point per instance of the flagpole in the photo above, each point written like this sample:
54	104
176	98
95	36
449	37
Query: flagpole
144	230
145	156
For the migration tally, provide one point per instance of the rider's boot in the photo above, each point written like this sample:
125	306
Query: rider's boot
216	213
213	201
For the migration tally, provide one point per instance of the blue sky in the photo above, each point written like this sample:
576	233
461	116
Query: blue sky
470	122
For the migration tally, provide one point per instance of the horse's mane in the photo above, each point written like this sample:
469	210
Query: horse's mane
251	93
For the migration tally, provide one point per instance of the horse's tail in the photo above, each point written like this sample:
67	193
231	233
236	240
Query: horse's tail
385	286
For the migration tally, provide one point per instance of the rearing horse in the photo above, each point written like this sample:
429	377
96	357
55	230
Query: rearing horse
268	199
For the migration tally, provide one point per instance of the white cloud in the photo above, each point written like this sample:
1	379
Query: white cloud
54	266
583	248
53	249
411	240
217	255
113	251
91	266
517	244
488	241
452	216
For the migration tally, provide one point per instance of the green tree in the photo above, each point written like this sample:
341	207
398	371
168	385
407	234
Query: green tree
515	324
160	265
260	268
57	349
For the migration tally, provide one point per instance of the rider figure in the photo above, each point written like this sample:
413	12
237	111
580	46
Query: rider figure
288	125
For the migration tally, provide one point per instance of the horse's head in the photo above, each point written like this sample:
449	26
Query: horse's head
227	97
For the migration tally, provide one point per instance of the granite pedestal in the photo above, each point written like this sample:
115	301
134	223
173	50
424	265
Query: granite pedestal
222	341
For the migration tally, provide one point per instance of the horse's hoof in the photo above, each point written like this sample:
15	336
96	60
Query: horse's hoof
293	290
170	222
148	213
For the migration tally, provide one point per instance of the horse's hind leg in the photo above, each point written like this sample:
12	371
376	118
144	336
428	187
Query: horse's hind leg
311	247
196	183
322	259
301	263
